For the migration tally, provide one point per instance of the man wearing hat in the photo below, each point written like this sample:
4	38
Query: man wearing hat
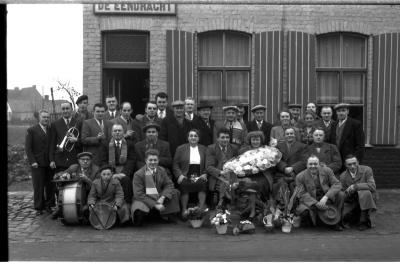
84	171
83	114
238	130
295	110
174	129
151	141
349	134
205	124
149	116
361	196
327	123
259	124
317	189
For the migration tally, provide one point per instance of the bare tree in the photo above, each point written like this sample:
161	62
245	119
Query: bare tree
72	93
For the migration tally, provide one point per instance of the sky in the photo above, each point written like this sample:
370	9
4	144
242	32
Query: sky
44	45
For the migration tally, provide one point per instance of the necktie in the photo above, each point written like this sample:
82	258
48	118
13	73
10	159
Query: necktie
68	123
112	115
162	114
259	124
208	124
102	126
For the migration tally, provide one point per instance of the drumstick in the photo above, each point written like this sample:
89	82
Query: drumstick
110	213
98	219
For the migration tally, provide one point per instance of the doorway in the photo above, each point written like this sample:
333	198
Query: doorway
131	85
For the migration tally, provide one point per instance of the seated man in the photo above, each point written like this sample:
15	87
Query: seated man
216	155
120	154
107	189
316	185
328	154
153	190
361	196
86	172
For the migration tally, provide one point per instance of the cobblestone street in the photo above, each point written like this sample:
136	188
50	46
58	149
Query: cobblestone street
29	234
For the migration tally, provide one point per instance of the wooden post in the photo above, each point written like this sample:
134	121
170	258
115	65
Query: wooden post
52	100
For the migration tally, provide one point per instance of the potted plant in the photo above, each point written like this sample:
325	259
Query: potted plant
196	216
221	221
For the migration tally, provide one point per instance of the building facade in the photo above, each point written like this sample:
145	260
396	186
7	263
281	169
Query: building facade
255	52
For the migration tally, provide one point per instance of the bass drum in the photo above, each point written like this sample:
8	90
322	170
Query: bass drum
73	197
102	216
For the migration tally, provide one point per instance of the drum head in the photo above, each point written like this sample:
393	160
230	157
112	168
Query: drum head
102	216
73	197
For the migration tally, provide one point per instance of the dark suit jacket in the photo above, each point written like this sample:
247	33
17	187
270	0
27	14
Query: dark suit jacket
165	159
352	140
330	131
364	179
265	128
134	138
58	131
138	124
174	133
328	154
215	160
37	146
129	166
108	117
206	133
90	129
296	158
169	112
181	161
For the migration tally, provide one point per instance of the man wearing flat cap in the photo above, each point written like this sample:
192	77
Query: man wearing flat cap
205	124
349	134
151	141
174	129
259	123
83	114
295	110
85	171
238	130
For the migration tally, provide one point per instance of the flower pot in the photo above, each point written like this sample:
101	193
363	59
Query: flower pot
221	229
286	226
196	223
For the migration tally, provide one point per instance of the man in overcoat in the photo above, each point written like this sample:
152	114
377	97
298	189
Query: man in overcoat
259	123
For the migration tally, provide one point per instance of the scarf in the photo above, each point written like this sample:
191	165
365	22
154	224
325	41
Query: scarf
111	152
151	189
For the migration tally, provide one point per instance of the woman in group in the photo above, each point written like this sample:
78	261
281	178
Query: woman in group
278	132
190	171
306	135
253	191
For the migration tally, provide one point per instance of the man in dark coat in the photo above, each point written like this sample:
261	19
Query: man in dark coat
361	196
205	124
83	114
126	121
37	142
295	111
259	124
149	116
175	129
328	124
163	110
349	133
112	111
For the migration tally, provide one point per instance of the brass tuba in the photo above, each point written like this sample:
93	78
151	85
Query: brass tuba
66	144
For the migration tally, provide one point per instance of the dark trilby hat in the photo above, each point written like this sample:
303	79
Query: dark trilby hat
151	125
80	98
84	154
330	216
204	105
341	106
257	107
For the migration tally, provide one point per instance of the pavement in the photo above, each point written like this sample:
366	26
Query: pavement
39	238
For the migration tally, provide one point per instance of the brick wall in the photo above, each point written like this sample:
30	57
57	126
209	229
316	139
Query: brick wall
315	19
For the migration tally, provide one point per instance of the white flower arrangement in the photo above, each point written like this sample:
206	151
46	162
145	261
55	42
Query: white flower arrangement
221	218
253	161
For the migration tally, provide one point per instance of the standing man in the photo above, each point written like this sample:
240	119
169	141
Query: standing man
237	130
349	133
112	111
189	111
361	196
96	132
60	157
163	111
317	185
174	129
241	117
149	116
205	124
259	124
125	120
37	143
296	121
327	124
83	114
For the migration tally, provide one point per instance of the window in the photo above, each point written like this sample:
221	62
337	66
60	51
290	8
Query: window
341	68
224	66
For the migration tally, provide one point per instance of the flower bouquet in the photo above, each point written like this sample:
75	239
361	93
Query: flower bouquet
221	221
244	227
253	161
196	216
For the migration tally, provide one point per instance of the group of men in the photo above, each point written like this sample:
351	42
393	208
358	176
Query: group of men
325	171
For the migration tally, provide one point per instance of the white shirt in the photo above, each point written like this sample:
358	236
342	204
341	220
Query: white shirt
161	114
259	123
327	123
113	112
67	121
118	143
189	116
194	155
353	175
43	128
342	122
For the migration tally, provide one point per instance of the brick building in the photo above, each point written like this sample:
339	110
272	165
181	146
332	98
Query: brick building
257	52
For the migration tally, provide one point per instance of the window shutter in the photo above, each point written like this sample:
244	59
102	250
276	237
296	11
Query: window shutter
301	68
179	64
385	88
268	72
